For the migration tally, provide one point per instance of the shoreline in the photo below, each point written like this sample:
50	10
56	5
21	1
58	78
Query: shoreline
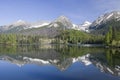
68	44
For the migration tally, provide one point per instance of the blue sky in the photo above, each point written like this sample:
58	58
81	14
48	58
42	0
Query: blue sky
77	11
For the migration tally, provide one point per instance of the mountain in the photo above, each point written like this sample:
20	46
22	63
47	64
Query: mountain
105	18
65	23
62	22
53	28
21	25
45	29
101	24
85	26
82	27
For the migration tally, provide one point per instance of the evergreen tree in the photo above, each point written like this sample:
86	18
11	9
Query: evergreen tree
110	34
107	39
114	35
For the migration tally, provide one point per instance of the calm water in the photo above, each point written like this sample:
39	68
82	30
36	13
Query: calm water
58	62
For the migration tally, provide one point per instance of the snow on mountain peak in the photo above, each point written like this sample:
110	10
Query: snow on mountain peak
82	27
106	17
113	14
86	24
109	16
20	22
62	19
39	24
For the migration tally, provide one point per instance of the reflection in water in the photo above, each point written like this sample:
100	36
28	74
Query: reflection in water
107	61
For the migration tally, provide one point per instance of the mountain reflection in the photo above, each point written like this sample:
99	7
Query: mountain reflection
106	60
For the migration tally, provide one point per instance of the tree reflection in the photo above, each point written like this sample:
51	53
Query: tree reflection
64	54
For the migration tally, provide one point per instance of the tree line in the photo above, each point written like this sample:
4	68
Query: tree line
112	38
8	39
75	36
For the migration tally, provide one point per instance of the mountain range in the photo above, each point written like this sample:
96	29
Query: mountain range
61	21
51	29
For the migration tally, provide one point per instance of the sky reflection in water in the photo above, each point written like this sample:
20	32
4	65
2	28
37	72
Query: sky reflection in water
68	67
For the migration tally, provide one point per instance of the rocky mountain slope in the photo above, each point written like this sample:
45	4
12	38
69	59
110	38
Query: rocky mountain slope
101	24
115	15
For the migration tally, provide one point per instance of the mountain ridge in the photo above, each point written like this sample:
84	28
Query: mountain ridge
62	23
105	18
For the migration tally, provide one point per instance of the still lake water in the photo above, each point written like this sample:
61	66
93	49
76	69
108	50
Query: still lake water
58	62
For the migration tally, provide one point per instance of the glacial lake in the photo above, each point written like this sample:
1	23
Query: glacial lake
58	62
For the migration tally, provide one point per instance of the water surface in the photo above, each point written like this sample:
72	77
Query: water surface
58	62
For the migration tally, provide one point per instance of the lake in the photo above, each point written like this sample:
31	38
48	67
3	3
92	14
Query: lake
58	62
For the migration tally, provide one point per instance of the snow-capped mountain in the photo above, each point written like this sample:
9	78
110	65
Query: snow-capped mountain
18	25
22	25
85	26
82	27
62	22
105	18
19	22
102	24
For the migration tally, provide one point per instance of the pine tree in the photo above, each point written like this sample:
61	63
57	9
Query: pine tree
114	35
107	39
110	34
